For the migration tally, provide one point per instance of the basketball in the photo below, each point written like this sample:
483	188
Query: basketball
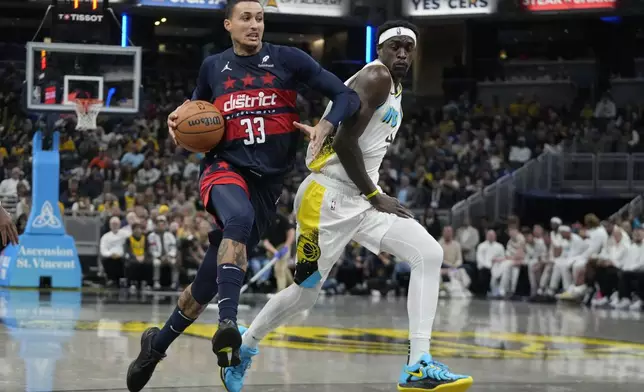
200	126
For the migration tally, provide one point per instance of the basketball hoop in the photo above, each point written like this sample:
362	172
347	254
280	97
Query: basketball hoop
86	112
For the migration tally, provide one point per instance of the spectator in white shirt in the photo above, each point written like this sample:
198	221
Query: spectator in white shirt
488	254
605	108
519	153
631	279
452	268
9	186
571	246
147	175
112	250
505	273
596	236
536	255
605	267
163	248
469	238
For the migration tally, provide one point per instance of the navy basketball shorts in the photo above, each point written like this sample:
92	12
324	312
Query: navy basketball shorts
261	196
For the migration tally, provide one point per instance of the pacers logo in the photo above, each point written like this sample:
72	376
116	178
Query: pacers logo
308	251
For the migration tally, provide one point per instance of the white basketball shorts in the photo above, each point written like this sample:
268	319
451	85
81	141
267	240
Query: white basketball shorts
329	215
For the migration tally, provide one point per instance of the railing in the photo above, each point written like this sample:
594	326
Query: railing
634	208
580	172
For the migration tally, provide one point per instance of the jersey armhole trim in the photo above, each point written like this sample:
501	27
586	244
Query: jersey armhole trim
379	64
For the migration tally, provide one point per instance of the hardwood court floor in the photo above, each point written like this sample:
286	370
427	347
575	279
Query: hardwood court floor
69	341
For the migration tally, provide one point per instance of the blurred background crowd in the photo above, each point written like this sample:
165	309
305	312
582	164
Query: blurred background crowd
130	174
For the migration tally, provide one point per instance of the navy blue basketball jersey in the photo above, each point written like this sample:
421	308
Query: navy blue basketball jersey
257	97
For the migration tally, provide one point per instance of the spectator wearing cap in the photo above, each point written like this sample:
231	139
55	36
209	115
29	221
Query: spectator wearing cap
163	249
138	259
604	268
112	253
631	277
572	245
489	254
595	237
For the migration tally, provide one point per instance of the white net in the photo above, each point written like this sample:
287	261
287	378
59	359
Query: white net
86	112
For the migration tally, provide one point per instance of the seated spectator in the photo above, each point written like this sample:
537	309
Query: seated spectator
566	250
163	249
191	255
574	275
631	278
604	268
112	253
505	273
536	255
9	186
452	268
138	259
489	254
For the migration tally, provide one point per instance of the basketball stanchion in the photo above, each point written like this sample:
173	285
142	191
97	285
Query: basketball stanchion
252	280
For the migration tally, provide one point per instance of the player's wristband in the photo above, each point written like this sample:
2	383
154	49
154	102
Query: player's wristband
372	194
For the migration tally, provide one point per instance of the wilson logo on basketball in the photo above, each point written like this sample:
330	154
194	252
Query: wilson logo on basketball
245	101
207	121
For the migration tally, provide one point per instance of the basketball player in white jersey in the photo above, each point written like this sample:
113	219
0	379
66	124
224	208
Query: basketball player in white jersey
340	202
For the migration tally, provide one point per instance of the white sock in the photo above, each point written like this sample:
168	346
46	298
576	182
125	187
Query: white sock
281	307
407	240
417	348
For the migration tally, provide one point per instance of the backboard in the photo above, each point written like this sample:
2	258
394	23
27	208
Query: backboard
59	73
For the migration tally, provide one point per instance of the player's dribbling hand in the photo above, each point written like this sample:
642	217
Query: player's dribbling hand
172	125
390	205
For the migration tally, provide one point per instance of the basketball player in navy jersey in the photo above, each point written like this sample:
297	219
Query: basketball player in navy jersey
253	85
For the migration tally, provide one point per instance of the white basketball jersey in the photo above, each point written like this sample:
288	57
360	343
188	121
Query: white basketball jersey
374	141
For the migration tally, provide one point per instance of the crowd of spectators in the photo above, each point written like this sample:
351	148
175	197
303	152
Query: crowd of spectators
128	169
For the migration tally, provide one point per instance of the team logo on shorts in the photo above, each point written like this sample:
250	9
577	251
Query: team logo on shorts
307	250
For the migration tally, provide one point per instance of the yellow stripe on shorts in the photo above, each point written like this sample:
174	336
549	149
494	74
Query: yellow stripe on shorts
308	219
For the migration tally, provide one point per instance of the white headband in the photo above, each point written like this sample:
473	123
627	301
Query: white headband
396	32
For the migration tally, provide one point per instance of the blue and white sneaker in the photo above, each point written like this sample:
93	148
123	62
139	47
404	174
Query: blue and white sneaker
430	375
233	377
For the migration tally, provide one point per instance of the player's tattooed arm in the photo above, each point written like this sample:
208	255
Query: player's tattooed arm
232	252
373	85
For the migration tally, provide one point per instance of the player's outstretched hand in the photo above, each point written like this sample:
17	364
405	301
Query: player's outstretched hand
172	125
390	205
316	134
8	230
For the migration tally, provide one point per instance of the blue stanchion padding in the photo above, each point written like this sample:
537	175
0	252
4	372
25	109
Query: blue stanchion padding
41	327
44	249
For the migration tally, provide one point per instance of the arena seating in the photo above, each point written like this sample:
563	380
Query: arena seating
443	156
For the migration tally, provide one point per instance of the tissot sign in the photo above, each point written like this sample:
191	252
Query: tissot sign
563	5
448	7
